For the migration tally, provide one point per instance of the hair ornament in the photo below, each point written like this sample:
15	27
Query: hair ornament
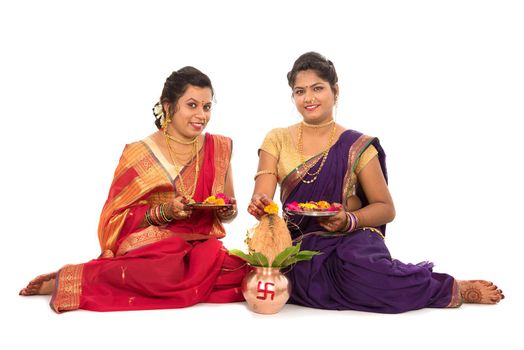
158	112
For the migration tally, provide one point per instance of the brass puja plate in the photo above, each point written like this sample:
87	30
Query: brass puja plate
317	213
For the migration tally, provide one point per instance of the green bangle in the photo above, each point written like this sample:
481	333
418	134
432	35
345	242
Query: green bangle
163	214
148	218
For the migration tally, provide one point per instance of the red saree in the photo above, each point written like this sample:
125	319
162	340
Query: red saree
156	267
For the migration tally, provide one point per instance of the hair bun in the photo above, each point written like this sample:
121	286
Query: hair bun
324	68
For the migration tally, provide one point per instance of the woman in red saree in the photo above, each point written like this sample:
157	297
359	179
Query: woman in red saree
156	251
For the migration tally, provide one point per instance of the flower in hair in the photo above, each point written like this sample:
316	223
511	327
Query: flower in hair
158	110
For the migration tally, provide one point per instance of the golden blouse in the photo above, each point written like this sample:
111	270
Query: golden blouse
279	144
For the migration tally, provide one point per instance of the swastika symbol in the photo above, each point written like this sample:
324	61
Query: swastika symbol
266	290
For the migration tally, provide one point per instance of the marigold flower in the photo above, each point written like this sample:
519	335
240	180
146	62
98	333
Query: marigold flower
323	205
210	200
218	199
271	208
308	206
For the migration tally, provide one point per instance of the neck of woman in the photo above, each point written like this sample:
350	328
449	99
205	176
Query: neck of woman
320	125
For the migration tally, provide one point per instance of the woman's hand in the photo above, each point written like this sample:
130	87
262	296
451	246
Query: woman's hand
178	208
336	222
227	214
257	205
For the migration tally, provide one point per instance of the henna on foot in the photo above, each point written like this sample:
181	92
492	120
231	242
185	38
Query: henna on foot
480	292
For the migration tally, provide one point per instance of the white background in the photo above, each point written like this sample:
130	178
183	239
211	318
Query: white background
441	83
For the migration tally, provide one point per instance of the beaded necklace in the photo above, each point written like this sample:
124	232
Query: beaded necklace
324	154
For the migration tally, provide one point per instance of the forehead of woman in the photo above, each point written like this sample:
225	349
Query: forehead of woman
308	78
197	93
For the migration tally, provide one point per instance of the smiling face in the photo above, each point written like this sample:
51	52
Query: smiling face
192	113
314	97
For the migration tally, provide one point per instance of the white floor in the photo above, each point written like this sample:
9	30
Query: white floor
31	323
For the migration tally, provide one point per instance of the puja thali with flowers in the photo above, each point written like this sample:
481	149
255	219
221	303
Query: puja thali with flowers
312	208
220	200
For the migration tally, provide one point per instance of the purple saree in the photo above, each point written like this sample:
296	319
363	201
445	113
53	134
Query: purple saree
355	271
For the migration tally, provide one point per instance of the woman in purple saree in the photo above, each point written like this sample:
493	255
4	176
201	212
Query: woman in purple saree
318	159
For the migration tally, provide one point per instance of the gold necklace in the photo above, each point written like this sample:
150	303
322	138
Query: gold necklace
315	126
301	154
177	168
177	140
187	154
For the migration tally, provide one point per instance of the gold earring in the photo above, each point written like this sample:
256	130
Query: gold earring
165	122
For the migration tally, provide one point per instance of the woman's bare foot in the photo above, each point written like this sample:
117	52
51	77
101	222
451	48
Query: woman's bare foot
480	292
43	284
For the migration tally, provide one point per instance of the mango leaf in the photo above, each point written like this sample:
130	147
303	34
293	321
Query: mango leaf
304	255
260	259
307	255
285	254
250	259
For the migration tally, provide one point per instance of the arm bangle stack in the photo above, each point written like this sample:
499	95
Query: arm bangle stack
156	215
352	222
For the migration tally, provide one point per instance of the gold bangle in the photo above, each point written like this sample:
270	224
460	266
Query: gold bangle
263	172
